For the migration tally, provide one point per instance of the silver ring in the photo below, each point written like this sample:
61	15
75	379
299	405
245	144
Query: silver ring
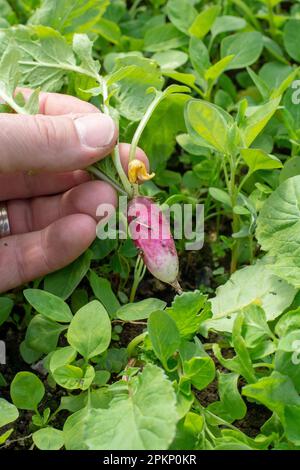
4	221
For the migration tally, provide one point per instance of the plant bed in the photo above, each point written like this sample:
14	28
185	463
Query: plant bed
165	341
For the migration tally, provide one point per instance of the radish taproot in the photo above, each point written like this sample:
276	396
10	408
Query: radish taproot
151	234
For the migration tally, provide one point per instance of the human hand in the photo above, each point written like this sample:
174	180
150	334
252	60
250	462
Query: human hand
51	201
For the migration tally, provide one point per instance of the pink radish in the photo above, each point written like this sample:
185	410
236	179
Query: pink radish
151	234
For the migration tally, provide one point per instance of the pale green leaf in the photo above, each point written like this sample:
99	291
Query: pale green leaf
135	421
246	47
204	22
257	159
90	330
48	439
8	412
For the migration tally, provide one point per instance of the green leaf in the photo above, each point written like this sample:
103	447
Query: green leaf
48	305
259	82
256	120
7	13
199	56
170	60
164	336
188	311
225	24
6	306
8	412
209	122
103	291
292	423
221	196
163	38
42	334
79	16
287	342
231	405
68	376
181	13
133	76
291	38
83	48
62	283
246	47
26	391
48	439
275	392
108	30
239	343
139	310
214	72
278	231
5	436
287	363
290	168
62	357
263	289
90	330
197	366
255	327
288	322
10	78
45	56
257	159
204	21
132	422
160	124
28	354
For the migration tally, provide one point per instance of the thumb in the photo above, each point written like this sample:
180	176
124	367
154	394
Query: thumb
54	143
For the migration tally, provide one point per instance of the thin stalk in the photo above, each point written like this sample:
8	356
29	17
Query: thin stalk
263	364
271	19
248	13
116	154
132	346
139	273
102	176
235	217
141	127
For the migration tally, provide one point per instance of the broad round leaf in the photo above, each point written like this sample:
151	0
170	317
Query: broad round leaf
278	230
246	47
263	288
42	334
26	391
291	38
6	306
145	419
49	305
90	330
140	310
48	439
170	60
8	412
164	335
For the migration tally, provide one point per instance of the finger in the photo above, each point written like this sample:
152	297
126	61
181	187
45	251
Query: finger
25	185
36	214
54	104
54	143
27	257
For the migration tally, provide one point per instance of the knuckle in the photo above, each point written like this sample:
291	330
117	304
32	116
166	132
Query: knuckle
46	130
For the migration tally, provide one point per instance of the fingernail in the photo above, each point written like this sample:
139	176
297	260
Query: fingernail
95	130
